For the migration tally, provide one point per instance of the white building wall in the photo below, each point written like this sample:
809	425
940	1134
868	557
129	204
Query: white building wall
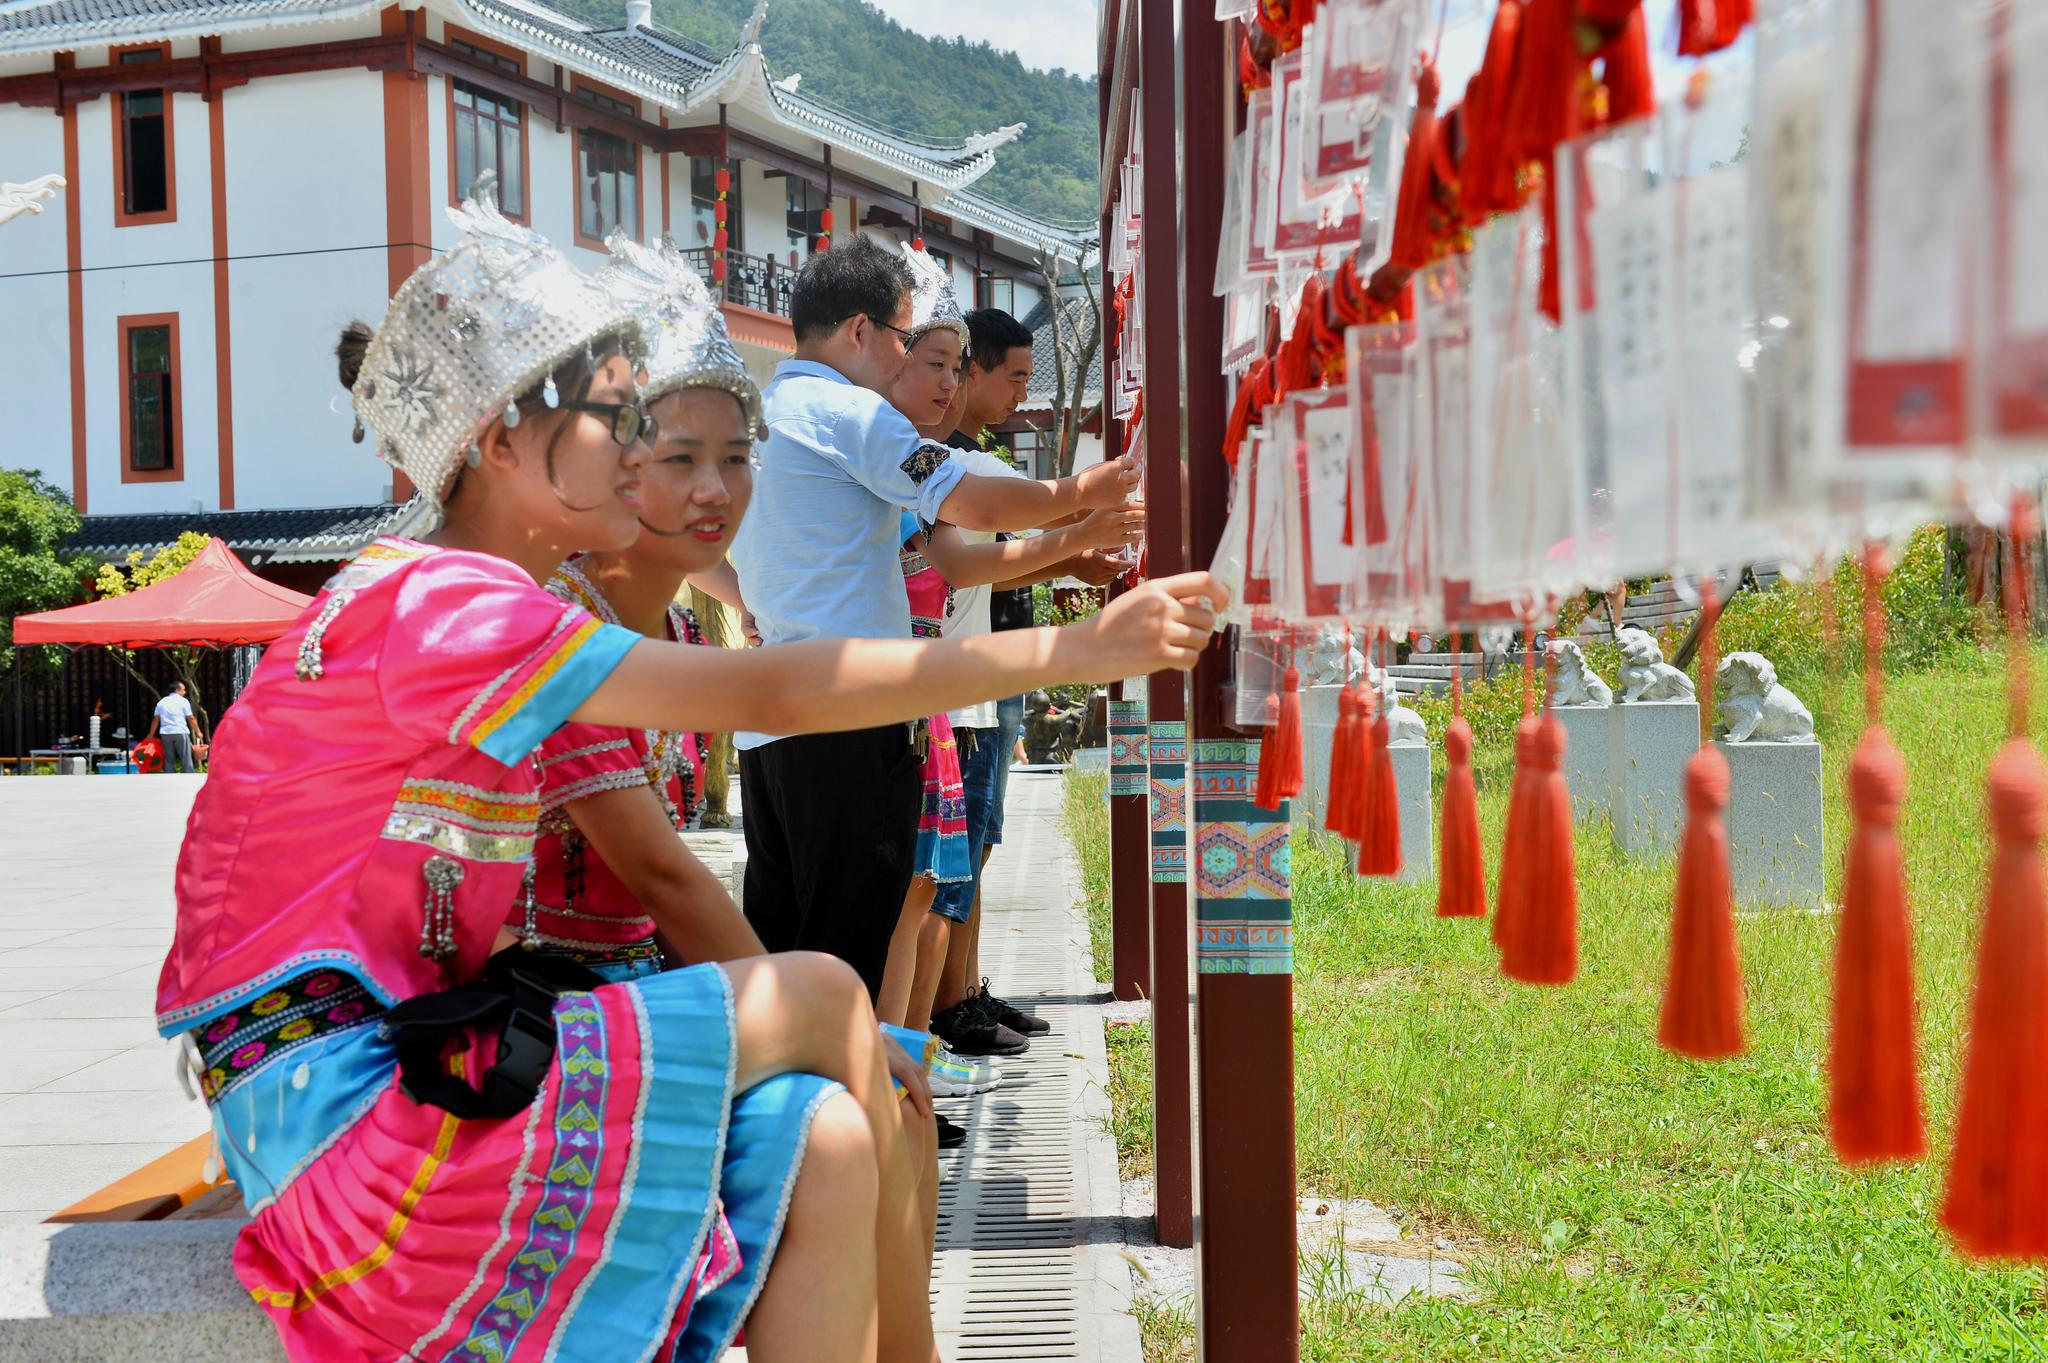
35	356
766	208
306	231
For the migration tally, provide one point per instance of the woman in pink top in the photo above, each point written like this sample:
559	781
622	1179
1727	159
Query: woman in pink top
447	1150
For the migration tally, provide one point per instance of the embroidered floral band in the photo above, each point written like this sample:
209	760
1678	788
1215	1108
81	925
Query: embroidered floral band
303	1008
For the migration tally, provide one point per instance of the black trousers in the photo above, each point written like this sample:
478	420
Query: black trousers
831	828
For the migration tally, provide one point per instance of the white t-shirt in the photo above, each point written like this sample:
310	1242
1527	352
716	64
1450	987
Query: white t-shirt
174	715
969	615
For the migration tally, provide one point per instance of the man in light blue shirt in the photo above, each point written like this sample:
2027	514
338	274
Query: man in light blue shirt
831	819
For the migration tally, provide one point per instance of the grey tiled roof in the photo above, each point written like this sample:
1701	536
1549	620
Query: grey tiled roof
64	23
287	535
1043	382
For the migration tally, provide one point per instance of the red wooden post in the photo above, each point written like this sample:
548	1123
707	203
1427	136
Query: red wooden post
1165	554
1247	1295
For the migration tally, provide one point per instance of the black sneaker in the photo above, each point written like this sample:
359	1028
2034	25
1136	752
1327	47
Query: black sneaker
952	1135
971	1027
1013	1017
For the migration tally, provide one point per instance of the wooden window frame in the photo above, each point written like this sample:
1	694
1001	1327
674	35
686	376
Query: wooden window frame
119	107
124	326
581	85
452	34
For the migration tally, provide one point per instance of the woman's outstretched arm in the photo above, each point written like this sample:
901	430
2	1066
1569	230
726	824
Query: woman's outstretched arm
974	565
828	685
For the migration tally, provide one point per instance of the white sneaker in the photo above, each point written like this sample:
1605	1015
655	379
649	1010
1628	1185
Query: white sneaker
950	1079
980	1065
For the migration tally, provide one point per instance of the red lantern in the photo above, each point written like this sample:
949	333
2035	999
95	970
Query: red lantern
824	243
718	269
825	221
718	212
917	242
718	241
723	179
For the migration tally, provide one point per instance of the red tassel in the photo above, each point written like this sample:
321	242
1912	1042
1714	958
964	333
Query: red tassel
1379	818
1706	26
1625	71
1414	244
1337	809
1486	174
1873	1077
1516	852
1874	1109
1543	947
1997	1203
1547	95
1280	769
1703	993
1461	872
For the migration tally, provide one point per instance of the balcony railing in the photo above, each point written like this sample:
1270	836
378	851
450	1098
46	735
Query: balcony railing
755	282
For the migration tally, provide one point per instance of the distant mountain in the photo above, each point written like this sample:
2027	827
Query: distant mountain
854	57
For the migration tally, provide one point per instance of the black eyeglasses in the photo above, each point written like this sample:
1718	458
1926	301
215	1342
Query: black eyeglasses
909	337
629	422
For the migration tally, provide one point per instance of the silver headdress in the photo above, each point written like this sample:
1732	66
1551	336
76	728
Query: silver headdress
687	342
932	301
470	331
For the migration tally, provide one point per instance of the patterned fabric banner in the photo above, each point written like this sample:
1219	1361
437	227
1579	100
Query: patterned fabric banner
1244	906
1169	803
1127	747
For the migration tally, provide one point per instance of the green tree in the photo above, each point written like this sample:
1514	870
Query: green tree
36	517
135	573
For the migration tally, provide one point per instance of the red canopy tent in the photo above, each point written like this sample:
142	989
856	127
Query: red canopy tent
214	602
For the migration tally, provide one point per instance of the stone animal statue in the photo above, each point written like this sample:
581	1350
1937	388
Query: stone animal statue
1332	659
1750	706
1573	682
1403	724
1644	673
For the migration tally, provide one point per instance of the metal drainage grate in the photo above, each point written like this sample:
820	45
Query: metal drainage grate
1023	1204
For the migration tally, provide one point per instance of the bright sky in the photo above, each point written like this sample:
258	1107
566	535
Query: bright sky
1045	33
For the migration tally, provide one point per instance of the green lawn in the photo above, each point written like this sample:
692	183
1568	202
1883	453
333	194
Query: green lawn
1616	1201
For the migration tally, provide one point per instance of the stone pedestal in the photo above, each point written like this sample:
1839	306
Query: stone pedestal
1418	832
1585	756
1318	730
1775	824
1648	744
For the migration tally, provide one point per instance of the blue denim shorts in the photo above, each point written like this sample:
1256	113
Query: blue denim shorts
983	760
1010	723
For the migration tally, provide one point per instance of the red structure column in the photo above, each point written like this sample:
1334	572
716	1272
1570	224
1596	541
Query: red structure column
1240	855
1165	554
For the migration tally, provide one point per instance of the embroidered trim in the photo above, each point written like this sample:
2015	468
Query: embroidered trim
465	821
598	953
456	841
585	631
603	781
587	750
569	617
304	1008
167	1023
514	1188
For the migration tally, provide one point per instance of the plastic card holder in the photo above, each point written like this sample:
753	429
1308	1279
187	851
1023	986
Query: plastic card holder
1324	450
1394	579
1916	191
1525	529
1301	224
1358	74
1260	185
2013	398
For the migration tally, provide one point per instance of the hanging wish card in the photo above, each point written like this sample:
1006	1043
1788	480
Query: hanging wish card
1918	187
1443	439
2015	307
1263	533
1302	224
1230	241
1712	325
1244	324
1356	62
1323	454
1261	185
1524	544
1394	582
1233	547
1619	338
